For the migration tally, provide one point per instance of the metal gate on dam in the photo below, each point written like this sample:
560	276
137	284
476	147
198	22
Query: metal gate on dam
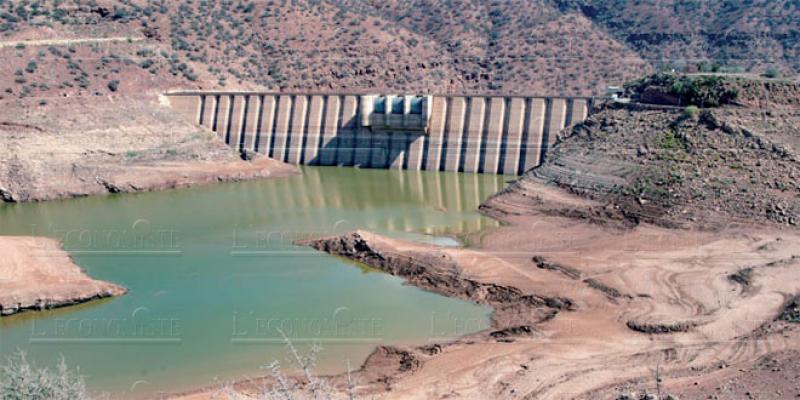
479	134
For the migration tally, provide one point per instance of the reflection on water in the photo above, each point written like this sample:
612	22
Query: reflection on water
213	275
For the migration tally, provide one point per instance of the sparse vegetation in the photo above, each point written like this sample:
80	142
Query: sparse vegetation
772	73
691	112
19	380
791	313
31	67
700	91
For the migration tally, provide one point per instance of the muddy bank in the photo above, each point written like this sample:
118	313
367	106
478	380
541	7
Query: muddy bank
440	270
36	274
91	146
584	304
640	296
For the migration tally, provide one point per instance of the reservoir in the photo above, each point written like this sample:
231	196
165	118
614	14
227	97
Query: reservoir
215	282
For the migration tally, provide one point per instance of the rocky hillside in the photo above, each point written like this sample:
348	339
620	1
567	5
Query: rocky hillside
730	35
571	47
676	166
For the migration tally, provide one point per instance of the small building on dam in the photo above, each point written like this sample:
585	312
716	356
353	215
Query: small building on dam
479	134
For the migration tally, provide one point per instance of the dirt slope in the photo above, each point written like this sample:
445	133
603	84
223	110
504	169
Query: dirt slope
100	145
639	299
37	275
675	166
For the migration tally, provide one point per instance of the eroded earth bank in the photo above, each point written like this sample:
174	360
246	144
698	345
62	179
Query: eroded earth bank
90	146
38	275
654	254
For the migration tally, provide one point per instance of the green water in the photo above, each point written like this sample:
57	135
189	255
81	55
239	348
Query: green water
213	275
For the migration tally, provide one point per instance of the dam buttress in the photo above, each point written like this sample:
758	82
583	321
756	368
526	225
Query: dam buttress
479	134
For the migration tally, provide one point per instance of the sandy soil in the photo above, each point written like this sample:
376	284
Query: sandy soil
83	146
65	42
697	309
35	273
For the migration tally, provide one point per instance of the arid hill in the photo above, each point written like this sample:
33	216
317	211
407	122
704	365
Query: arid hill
688	165
570	47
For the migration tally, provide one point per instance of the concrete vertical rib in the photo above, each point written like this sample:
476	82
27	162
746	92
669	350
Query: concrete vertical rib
516	119
558	113
280	135
579	112
398	142
381	147
313	130
348	124
435	134
330	132
455	128
363	139
363	147
252	119
531	149
294	144
494	135
234	131
223	116
415	148
209	111
477	110
266	133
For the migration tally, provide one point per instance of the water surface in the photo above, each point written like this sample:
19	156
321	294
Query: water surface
213	276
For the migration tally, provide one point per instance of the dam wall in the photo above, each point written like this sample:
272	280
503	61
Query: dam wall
478	134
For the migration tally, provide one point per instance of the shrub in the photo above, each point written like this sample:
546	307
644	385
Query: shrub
113	85
691	112
19	380
772	73
31	68
702	91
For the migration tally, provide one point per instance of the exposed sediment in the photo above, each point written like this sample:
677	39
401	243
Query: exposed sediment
102	150
36	274
438	269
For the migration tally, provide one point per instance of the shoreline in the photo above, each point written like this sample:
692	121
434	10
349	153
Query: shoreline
166	175
614	315
39	275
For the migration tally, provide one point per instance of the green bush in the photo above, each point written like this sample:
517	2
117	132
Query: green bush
691	112
701	91
113	85
31	68
772	73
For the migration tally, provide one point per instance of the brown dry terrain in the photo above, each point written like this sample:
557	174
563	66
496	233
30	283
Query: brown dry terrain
37	274
594	311
571	47
88	60
601	292
666	264
95	146
676	166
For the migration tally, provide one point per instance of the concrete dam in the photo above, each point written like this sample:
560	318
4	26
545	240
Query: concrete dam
478	134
